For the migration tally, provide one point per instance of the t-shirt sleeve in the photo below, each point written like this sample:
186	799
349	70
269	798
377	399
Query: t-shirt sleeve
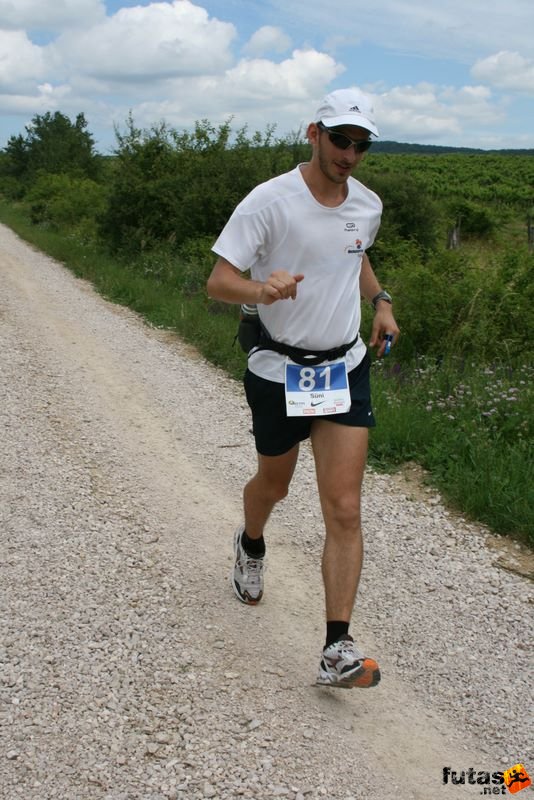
244	238
375	223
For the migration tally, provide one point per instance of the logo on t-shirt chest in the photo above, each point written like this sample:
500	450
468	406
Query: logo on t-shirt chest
355	248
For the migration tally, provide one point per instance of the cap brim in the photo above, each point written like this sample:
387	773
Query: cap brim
351	119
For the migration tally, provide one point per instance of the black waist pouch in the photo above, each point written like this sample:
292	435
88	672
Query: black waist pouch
300	355
249	329
252	335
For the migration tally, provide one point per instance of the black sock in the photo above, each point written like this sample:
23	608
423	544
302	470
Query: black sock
335	630
255	548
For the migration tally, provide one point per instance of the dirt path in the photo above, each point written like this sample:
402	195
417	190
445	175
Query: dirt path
130	671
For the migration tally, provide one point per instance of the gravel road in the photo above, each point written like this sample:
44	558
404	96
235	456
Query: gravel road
128	669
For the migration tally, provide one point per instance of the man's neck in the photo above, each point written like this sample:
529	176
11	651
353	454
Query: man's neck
326	191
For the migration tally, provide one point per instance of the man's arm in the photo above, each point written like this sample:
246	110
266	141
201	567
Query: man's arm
227	283
369	286
384	321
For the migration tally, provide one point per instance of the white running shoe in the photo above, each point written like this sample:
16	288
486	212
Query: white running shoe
247	575
344	666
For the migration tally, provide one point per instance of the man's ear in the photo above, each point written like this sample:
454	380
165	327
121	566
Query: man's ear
312	133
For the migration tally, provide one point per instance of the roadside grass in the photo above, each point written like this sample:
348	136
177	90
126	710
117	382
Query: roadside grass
468	425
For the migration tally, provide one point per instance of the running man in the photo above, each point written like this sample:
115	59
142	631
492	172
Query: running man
303	237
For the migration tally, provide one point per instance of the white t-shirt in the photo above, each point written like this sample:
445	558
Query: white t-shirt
280	225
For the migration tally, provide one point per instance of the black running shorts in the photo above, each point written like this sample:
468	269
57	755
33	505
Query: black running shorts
276	433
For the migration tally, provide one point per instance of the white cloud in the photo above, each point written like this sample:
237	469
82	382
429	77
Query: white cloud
54	15
140	44
414	113
506	70
21	62
294	78
431	113
255	92
267	40
45	98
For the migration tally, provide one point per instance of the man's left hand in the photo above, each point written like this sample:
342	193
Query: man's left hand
383	325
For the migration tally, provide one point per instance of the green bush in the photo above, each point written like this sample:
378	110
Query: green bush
196	259
409	212
168	187
458	301
65	202
474	219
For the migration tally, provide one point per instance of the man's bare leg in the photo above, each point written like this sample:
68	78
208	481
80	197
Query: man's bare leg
269	485
340	454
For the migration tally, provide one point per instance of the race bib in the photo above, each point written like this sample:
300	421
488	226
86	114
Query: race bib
316	391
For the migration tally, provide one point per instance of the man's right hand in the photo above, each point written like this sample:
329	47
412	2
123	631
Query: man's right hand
280	285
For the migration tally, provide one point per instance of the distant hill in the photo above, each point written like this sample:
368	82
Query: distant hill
433	149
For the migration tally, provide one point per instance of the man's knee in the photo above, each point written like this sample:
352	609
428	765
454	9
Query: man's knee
274	474
270	486
344	513
276	489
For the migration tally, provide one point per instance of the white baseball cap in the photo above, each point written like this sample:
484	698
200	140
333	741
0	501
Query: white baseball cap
347	107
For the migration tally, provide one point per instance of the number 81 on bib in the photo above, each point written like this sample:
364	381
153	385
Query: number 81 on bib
316	391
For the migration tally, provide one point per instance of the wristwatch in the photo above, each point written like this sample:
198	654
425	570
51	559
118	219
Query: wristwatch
381	296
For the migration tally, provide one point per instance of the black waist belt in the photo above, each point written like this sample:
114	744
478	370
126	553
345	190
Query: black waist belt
300	355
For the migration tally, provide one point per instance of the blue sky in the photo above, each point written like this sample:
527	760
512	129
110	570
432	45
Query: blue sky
450	72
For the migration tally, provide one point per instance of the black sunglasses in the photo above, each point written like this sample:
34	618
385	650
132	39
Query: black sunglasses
344	142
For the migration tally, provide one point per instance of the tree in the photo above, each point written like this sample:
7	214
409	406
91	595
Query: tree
52	144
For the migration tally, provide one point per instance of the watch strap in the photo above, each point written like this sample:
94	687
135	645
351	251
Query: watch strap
382	295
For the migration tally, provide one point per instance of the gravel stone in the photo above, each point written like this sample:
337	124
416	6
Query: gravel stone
128	671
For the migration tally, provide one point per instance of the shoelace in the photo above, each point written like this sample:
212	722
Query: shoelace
251	567
349	648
